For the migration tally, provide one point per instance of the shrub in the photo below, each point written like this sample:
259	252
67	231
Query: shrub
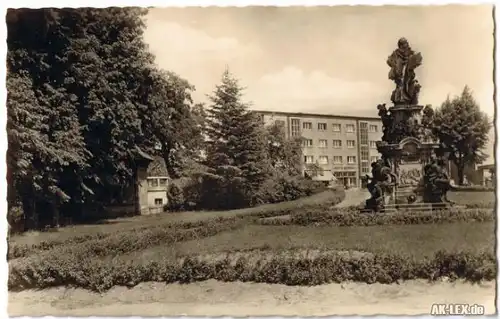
282	187
175	197
352	217
289	267
15	219
136	238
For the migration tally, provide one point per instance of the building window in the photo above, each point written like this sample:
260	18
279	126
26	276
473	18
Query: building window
321	126
351	143
158	201
153	182
323	160
336	127
307	142
373	128
351	159
295	127
307	125
365	170
308	159
373	144
373	159
323	143
352	181
280	123
337	159
349	128
364	155
363	133
337	144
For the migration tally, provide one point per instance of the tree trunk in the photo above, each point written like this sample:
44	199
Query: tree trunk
460	173
30	214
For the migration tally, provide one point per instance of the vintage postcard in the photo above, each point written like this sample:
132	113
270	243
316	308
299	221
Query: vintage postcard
251	161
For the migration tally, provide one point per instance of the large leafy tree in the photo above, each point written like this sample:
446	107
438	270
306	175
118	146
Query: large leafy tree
46	148
172	121
285	154
81	106
236	147
463	128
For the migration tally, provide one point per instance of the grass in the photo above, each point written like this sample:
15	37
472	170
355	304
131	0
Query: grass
130	223
144	249
472	198
418	241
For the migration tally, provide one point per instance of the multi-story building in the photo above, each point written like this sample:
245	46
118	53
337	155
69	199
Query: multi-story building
341	146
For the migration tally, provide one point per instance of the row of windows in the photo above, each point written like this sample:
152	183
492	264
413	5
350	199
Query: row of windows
349	128
322	143
324	159
157	182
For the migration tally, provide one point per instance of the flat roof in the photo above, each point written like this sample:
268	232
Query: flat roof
333	116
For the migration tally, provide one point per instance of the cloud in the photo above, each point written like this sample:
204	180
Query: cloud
193	52
292	89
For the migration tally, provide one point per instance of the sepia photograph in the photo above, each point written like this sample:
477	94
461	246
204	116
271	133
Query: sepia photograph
251	161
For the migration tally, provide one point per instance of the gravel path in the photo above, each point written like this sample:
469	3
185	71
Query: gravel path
213	298
354	197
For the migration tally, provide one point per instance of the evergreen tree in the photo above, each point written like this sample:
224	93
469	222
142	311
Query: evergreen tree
236	146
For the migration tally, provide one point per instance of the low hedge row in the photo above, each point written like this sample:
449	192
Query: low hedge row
23	250
127	241
355	218
290	268
481	205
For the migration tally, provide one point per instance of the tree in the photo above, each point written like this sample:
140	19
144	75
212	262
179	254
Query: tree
236	148
41	118
84	96
172	121
462	128
284	154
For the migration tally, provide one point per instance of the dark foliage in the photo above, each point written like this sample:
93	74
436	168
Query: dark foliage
287	268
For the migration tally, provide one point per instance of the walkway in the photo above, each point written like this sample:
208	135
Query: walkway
354	197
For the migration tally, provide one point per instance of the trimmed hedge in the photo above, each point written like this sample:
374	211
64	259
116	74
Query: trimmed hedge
290	268
23	250
129	240
355	218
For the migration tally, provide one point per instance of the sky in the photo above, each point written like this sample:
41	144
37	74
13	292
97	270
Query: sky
328	60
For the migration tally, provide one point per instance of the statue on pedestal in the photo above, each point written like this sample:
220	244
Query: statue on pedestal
403	62
407	143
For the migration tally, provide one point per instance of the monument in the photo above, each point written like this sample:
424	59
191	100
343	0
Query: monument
413	165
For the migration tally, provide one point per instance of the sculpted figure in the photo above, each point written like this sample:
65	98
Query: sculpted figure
387	121
381	183
436	182
403	62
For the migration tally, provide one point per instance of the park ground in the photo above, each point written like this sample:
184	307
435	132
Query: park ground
215	298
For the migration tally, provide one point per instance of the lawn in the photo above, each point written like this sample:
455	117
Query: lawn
472	198
406	240
126	224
